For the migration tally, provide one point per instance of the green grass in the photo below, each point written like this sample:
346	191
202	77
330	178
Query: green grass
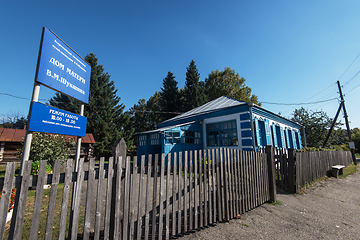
351	169
3	168
277	202
43	215
357	155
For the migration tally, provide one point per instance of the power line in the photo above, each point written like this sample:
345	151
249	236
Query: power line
320	92
10	95
352	89
303	103
351	79
294	104
348	68
146	111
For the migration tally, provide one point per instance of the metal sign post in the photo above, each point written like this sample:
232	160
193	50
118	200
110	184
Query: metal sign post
28	137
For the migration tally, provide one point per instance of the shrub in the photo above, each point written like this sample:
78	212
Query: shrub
50	147
35	168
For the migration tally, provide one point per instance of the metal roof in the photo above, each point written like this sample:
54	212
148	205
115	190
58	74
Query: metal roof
212	106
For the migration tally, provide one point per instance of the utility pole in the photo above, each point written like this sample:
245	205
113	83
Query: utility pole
351	143
333	124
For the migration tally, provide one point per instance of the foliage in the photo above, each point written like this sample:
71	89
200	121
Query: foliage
50	147
315	149
12	199
145	114
193	94
228	83
317	125
355	135
35	168
106	118
170	97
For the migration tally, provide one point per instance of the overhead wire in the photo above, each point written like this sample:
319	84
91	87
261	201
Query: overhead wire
351	79
10	95
348	67
319	101
352	89
303	103
333	93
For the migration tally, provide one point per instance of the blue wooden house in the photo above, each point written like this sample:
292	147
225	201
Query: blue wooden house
223	122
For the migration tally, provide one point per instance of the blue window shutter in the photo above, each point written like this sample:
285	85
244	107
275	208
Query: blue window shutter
274	136
282	137
300	142
257	132
287	138
290	139
268	133
294	139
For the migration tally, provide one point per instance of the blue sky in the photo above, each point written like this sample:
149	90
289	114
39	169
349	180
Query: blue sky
288	51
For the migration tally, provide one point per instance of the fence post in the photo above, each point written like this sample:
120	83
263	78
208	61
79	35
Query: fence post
271	170
291	170
119	150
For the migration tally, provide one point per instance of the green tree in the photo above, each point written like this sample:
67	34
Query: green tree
106	118
169	97
228	83
355	135
143	118
145	115
194	95
317	125
50	147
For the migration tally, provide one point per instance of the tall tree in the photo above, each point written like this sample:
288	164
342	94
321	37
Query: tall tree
228	83
317	125
143	118
170	97
355	135
194	95
106	118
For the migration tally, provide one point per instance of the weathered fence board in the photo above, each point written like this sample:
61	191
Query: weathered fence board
6	194
38	200
99	198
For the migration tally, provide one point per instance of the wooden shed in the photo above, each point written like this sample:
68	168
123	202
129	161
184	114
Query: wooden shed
12	139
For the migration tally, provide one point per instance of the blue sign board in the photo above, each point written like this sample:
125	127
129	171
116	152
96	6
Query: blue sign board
45	118
62	69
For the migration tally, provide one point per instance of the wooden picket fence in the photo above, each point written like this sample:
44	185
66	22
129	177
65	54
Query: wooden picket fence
168	197
294	170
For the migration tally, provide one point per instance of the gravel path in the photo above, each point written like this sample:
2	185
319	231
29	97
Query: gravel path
329	209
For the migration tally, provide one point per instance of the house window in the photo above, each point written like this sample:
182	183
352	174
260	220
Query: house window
222	134
142	140
154	139
191	137
172	137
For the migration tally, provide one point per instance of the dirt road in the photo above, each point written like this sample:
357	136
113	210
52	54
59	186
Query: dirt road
330	209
